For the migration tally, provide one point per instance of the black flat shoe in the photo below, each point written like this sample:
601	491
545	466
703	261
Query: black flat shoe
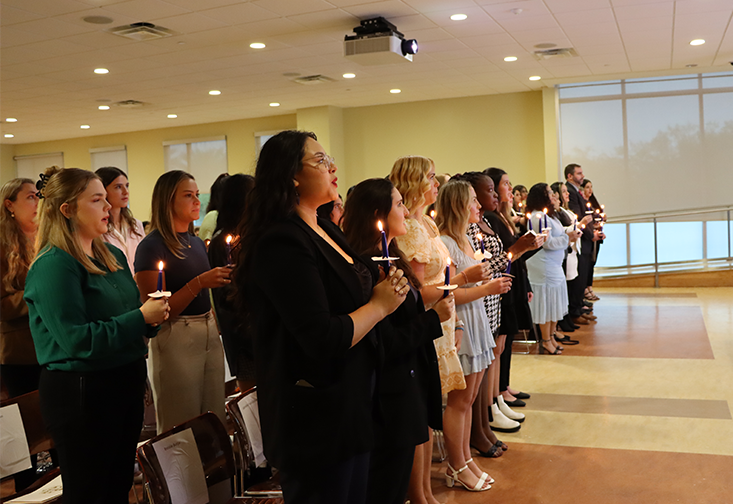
518	403
522	395
494	452
566	340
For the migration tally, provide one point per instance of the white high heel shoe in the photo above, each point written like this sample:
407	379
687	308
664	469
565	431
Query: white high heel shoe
451	478
484	475
508	412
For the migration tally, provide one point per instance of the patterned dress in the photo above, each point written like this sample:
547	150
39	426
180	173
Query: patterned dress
497	263
418	245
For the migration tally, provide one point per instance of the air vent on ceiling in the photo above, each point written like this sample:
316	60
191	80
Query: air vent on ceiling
310	80
560	52
142	31
129	104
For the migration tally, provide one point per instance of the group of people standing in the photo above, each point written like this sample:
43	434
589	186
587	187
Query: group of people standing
352	327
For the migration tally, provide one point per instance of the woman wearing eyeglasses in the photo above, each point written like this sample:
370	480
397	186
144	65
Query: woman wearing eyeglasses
314	305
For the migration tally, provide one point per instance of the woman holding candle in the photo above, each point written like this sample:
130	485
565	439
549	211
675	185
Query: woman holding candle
186	359
550	301
457	206
313	304
235	332
125	231
598	213
409	381
88	326
515	313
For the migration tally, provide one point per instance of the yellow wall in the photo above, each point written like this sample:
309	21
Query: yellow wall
145	151
459	134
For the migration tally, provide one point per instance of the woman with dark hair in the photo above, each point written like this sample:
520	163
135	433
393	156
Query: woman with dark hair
125	231
88	326
598	213
332	211
314	304
208	225
515	313
235	333
550	301
409	381
186	359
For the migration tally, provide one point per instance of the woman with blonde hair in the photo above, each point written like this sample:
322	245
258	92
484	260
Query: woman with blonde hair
186	359
414	178
125	231
88	326
458	207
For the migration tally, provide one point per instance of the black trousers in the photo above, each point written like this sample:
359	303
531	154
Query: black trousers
389	473
344	482
506	363
576	287
95	420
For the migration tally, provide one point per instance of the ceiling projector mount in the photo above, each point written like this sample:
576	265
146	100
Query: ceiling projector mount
377	42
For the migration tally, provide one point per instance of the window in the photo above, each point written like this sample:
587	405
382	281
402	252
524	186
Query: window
32	166
109	156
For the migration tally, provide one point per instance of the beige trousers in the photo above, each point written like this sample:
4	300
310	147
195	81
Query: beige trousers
187	370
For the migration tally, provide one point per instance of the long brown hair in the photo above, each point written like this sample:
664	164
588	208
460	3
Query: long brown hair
370	201
161	219
453	206
18	249
65	185
109	174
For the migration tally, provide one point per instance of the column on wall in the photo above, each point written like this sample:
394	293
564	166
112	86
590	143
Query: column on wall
550	110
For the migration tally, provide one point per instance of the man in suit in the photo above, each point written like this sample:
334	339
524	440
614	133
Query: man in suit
576	288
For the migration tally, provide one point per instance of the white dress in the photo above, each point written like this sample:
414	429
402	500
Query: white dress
476	346
550	300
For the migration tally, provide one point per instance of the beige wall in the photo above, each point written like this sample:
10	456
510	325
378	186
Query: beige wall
460	134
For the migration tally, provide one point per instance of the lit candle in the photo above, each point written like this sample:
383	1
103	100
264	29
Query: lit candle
529	221
588	209
603	207
160	276
447	277
385	250
544	211
432	214
481	242
229	250
509	262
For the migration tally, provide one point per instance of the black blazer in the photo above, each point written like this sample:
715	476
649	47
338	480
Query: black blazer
409	380
577	204
314	391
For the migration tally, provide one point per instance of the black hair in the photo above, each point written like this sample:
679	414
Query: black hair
538	199
234	191
215	198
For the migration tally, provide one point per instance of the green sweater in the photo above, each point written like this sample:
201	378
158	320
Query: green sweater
84	322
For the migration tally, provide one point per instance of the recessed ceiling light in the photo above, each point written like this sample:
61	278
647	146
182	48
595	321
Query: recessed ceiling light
214	92
11	119
697	41
510	58
172	116
691	65
274	104
458	17
97	19
349	75
395	91
103	107
101	71
535	77
9	135
85	126
257	45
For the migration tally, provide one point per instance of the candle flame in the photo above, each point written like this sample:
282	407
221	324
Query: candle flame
448	261
509	255
529	215
379	225
603	207
544	210
229	238
432	214
479	236
598	210
160	266
588	204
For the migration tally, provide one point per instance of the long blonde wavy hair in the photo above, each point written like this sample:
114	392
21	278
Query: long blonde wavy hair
65	185
454	207
410	176
18	249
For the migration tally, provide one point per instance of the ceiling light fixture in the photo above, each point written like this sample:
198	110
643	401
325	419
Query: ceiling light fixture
458	17
395	91
349	75
9	135
697	41
214	92
172	116
85	126
510	58
11	119
101	71
257	45
535	78
274	104
103	107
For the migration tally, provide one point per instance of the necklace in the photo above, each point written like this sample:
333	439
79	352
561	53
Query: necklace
188	239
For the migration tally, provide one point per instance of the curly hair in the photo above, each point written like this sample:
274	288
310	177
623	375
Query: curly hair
410	176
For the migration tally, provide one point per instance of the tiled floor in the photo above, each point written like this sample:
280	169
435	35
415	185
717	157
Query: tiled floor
637	413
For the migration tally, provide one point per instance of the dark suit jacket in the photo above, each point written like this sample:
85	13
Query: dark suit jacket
314	391
409	381
577	204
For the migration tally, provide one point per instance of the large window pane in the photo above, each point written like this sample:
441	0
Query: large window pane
679	241
613	250
717	239
641	235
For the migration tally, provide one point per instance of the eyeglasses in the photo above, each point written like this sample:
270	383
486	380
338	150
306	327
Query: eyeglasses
323	162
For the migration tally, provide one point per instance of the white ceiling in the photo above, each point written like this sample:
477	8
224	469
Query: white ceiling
49	53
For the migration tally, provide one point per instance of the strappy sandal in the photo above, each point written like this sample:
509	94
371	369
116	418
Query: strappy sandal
495	451
542	349
501	444
484	476
451	478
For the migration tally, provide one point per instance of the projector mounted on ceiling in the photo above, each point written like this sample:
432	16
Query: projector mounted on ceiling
377	42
